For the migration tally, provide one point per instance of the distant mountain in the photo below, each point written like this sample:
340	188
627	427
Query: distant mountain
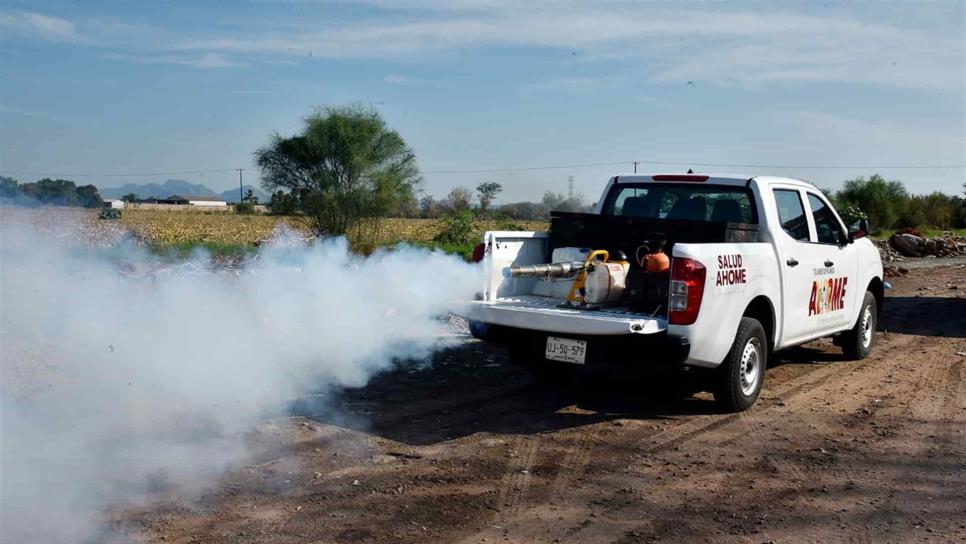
166	189
231	195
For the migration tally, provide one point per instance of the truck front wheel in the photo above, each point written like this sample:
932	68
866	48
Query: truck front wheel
743	370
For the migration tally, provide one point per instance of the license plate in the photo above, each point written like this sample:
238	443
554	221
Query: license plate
566	350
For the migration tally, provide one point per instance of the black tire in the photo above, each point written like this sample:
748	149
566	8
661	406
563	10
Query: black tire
741	374
857	342
479	330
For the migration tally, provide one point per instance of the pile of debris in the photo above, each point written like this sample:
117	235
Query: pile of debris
910	245
886	252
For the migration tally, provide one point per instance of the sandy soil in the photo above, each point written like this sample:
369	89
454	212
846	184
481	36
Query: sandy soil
470	449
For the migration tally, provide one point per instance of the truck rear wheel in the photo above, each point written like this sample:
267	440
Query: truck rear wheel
743	370
479	330
857	343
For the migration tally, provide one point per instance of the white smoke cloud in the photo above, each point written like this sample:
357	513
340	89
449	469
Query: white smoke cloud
117	377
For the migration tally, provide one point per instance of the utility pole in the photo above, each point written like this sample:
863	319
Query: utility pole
635	166
240	195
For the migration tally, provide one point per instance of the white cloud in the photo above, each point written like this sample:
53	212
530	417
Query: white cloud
743	48
708	43
570	84
25	23
206	60
398	79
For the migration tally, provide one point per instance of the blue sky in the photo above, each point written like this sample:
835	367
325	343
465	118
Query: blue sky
143	87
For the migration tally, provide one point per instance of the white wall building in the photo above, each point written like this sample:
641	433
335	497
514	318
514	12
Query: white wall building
196	200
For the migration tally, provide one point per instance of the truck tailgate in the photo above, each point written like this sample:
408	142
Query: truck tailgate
545	314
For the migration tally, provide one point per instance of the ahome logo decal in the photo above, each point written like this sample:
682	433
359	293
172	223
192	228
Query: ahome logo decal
828	295
730	270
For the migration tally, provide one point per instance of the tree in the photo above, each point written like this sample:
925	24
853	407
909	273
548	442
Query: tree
9	188
882	200
130	198
250	197
560	203
429	207
284	203
346	165
88	197
59	192
488	191
459	199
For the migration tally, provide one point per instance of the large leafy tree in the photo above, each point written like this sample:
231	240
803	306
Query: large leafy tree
883	201
347	166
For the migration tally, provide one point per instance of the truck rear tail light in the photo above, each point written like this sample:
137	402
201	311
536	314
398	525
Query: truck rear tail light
687	289
478	252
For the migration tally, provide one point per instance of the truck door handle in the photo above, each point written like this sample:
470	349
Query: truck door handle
829	263
792	262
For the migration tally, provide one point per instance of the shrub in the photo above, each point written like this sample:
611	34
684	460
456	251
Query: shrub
458	229
245	208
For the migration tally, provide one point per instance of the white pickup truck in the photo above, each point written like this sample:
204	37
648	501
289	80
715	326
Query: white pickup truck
756	265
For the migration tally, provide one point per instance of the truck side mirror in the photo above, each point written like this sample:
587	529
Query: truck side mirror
859	229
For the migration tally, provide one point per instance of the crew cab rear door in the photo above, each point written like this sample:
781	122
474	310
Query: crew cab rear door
796	253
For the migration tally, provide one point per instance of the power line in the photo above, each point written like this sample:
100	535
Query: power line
526	168
547	167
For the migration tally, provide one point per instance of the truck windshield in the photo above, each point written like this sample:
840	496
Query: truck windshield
682	201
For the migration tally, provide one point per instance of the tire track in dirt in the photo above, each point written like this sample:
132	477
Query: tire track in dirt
921	402
701	425
516	481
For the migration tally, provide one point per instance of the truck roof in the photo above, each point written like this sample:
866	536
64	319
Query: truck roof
718	179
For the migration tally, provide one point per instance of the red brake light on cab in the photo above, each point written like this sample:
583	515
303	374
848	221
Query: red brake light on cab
478	252
695	178
687	290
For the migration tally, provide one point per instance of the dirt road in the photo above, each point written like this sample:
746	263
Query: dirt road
470	449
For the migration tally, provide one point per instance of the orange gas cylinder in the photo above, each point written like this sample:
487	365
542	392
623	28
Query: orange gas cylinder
658	261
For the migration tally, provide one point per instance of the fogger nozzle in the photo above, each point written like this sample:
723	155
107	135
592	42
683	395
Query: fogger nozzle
551	270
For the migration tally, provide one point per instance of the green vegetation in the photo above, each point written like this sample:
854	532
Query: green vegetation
346	167
216	249
888	205
50	192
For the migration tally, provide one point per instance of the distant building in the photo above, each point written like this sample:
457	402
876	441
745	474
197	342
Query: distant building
115	203
194	200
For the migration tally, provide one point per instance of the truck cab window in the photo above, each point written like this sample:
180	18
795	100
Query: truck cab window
791	213
683	202
826	225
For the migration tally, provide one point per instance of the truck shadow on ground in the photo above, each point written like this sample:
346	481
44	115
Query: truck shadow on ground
925	316
474	388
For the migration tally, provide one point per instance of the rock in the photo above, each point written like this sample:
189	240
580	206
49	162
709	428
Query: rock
907	244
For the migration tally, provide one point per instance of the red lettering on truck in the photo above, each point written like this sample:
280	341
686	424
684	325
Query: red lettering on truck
828	295
731	271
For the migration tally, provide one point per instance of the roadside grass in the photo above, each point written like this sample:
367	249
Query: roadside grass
216	249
